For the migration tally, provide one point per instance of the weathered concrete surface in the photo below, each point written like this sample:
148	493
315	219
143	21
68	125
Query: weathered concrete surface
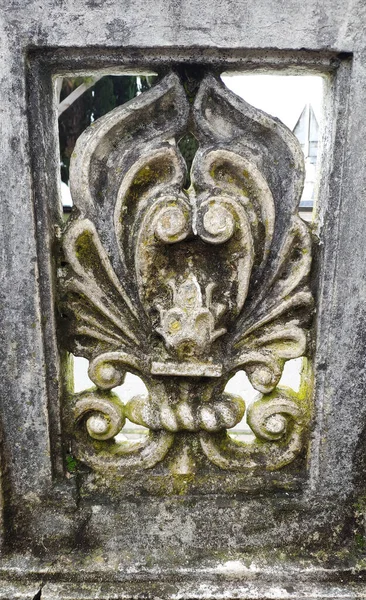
199	590
186	286
230	24
43	518
10	591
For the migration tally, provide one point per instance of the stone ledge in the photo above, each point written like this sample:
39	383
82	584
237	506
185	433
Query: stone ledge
184	590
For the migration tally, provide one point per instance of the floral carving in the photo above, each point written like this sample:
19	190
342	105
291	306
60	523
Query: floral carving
184	287
189	326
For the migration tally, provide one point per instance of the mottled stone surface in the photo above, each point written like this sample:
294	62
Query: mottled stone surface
297	535
184	285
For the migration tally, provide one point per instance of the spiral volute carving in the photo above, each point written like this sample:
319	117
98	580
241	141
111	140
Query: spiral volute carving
103	416
269	418
184	272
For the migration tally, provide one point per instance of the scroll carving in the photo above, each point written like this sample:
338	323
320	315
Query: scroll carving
184	287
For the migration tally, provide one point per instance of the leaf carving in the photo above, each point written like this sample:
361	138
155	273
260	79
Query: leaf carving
255	159
186	286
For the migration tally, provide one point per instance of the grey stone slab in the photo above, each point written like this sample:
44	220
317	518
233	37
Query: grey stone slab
26	442
319	515
202	590
232	24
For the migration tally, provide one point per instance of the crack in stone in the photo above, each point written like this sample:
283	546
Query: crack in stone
38	595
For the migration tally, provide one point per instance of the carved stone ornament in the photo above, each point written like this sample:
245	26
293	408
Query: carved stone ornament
185	287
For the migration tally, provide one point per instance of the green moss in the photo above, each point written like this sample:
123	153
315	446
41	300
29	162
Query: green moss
158	171
182	483
83	245
71	463
360	541
143	176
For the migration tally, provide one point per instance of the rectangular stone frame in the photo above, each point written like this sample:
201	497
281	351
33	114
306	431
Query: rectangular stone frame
54	39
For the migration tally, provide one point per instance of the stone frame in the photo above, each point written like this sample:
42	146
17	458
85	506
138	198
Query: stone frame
32	473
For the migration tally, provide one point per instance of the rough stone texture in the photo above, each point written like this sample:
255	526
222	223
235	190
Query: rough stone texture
303	543
185	287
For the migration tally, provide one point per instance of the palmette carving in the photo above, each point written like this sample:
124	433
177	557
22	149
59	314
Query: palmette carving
184	287
188	326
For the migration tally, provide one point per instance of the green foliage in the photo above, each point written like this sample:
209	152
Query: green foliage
188	146
104	97
71	463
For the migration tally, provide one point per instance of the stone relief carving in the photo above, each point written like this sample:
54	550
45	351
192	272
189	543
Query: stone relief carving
184	287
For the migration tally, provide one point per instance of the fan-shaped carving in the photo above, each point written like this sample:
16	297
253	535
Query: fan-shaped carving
187	286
